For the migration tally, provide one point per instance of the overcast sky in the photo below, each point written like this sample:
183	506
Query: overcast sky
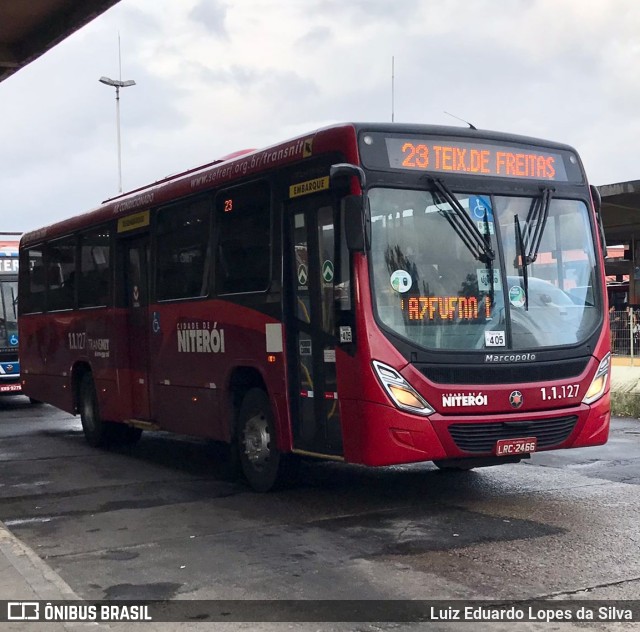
215	76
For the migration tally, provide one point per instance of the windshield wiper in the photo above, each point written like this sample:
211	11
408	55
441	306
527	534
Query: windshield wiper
464	225
538	215
523	263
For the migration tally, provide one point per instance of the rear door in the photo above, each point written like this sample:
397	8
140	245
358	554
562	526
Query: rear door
134	253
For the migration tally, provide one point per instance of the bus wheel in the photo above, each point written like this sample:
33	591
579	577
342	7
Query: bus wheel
95	430
35	402
259	456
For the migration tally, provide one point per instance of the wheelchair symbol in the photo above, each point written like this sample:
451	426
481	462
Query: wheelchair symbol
479	210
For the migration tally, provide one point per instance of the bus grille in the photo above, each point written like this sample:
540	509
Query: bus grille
504	374
482	437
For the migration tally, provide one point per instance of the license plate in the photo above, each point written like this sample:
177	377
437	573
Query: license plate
510	447
10	388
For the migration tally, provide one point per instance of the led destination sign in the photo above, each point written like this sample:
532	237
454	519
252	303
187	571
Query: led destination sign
444	155
458	155
432	308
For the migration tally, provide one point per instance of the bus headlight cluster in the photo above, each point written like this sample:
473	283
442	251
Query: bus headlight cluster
402	394
599	382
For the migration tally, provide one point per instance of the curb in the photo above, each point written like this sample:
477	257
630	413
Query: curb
40	577
625	389
23	566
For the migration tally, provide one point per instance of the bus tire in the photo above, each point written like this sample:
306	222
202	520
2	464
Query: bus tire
96	431
260	458
35	402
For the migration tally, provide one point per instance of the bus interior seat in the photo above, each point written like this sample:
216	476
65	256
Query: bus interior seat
93	289
242	268
38	279
181	281
168	284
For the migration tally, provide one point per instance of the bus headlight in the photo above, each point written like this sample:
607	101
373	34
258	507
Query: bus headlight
599	382
402	394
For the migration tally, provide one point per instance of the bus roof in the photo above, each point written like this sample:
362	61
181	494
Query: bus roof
339	137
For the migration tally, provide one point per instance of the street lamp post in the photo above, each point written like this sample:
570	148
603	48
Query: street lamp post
117	84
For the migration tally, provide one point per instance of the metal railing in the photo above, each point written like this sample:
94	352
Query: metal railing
625	333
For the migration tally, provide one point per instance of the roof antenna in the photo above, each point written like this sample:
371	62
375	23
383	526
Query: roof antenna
457	117
392	88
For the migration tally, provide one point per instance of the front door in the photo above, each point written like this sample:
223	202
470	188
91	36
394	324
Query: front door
313	273
134	253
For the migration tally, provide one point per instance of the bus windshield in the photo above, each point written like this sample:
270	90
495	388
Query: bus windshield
531	284
8	312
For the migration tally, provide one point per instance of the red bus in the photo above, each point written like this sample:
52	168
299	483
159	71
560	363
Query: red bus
377	294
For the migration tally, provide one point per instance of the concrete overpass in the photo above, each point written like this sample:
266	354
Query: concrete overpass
621	218
621	210
29	28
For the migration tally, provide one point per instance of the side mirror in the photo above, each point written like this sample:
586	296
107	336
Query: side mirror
356	222
355	208
597	205
597	198
343	170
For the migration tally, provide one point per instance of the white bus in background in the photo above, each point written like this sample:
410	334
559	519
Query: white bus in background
9	360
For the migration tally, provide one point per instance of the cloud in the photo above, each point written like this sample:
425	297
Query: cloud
215	76
211	15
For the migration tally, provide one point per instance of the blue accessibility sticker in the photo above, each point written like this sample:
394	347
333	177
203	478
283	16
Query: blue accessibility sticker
480	208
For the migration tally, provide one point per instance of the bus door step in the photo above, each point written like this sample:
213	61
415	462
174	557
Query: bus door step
143	425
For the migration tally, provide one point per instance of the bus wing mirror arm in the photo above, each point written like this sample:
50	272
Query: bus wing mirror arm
597	205
354	208
597	198
341	170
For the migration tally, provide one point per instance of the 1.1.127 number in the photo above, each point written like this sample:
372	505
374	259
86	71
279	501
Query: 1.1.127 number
559	392
77	341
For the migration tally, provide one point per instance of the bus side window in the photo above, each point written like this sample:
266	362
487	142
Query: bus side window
32	286
243	256
61	265
182	249
94	271
37	287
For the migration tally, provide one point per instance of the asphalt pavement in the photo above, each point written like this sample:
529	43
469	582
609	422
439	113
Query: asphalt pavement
26	576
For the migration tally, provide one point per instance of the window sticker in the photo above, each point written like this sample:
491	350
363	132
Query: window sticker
329	355
494	339
327	271
401	281
303	275
516	296
481	213
484	279
304	347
